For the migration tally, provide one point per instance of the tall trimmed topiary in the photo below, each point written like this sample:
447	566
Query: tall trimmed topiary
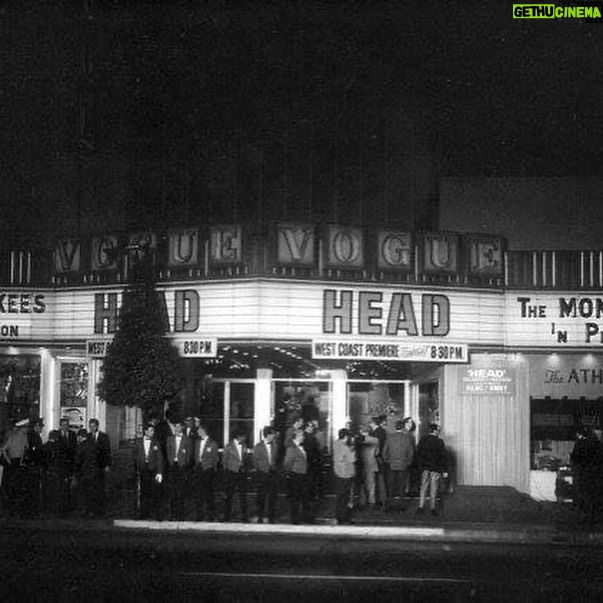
142	365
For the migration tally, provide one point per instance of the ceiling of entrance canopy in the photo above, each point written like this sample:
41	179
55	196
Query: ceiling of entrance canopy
295	361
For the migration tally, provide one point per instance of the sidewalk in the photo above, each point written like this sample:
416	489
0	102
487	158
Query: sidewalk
471	514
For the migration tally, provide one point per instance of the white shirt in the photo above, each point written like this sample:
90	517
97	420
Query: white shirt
202	446
147	448
177	447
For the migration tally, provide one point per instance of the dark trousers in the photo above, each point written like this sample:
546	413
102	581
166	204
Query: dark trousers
299	498
92	491
56	492
397	479
150	495
16	487
176	489
266	483
204	480
235	482
343	512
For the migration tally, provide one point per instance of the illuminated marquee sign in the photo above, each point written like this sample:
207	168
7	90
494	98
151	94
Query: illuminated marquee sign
97	348
376	316
390	350
394	250
197	347
103	253
344	247
226	244
17	309
440	252
67	256
293	244
191	347
560	320
183	247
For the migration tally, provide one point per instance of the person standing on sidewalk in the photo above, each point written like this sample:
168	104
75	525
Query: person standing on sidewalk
369	450
295	466
94	462
15	453
344	467
264	464
206	456
587	463
377	430
179	460
398	453
432	463
234	462
149	469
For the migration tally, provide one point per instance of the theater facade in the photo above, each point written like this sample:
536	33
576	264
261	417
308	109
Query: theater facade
336	322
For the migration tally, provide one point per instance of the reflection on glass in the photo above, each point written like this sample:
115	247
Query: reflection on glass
73	392
366	400
309	400
242	410
212	410
19	388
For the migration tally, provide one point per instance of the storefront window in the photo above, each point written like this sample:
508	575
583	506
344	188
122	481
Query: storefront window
73	394
309	400
553	427
19	389
366	400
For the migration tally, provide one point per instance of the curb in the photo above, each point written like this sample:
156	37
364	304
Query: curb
531	535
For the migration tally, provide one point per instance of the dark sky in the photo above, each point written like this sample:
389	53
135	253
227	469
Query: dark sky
190	84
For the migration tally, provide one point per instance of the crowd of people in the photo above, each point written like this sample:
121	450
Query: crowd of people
179	467
56	477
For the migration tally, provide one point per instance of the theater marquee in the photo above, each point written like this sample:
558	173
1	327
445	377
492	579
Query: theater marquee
390	350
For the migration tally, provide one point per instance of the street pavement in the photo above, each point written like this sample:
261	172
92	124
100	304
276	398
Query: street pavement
490	544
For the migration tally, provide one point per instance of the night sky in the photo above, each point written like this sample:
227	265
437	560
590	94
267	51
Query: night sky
213	111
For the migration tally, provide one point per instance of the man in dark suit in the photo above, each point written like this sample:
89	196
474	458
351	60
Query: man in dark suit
296	469
150	469
235	474
94	461
64	460
205	463
179	459
398	453
264	464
